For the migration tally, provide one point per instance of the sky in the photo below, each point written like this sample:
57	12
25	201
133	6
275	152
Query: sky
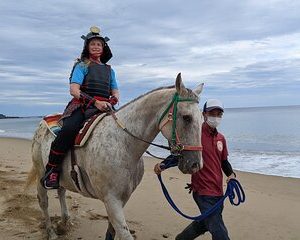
247	53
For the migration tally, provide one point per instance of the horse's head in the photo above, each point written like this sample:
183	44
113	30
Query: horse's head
181	124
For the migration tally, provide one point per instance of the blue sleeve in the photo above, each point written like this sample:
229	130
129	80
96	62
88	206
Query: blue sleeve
78	74
113	82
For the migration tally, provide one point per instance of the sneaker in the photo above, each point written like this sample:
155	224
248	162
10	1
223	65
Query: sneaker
51	179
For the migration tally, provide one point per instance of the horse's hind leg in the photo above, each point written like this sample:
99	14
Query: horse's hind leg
110	233
43	202
114	208
63	205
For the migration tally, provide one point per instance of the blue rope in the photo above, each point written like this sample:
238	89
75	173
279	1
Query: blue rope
234	190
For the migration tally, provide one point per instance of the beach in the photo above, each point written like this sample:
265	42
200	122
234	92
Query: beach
271	210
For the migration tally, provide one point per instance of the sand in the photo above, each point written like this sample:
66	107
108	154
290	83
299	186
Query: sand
271	210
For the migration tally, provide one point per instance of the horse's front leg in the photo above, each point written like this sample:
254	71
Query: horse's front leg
114	208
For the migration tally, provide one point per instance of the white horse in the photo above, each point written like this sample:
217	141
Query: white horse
112	158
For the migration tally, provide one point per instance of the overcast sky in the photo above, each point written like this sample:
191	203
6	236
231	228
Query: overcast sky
246	52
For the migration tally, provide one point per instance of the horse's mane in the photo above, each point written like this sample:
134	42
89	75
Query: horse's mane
189	94
145	94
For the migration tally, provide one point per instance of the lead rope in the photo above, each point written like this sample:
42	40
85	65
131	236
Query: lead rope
234	190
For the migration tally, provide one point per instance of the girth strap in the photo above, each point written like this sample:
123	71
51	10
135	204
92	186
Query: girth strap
73	173
78	178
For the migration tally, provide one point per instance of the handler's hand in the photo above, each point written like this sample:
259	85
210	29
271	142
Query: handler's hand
157	169
189	187
232	176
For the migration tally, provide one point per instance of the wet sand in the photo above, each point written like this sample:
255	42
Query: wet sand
271	210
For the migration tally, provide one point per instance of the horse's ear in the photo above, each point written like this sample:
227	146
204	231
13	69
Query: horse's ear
198	89
180	88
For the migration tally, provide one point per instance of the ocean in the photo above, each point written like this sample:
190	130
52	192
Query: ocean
262	140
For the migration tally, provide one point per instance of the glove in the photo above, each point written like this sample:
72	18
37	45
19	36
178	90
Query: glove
189	187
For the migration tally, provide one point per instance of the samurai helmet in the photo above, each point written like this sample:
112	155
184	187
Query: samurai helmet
95	33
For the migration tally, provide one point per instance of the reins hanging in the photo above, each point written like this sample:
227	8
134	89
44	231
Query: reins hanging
131	134
176	146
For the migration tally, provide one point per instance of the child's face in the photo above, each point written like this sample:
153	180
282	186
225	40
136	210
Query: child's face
95	48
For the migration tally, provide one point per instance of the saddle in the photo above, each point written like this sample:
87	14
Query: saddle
79	176
52	122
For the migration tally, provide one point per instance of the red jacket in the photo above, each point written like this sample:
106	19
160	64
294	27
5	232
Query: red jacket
209	180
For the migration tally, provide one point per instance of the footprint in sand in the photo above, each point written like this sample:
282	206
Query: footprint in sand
171	178
9	166
96	216
166	235
18	207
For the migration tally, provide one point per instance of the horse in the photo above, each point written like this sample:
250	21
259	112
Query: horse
112	158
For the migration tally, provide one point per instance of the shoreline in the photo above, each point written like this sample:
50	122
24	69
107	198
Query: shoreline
271	210
155	159
16	138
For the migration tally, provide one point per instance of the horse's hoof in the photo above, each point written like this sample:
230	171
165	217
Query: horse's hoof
66	222
51	234
53	237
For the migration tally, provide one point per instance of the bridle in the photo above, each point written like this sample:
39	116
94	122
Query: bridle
175	146
170	115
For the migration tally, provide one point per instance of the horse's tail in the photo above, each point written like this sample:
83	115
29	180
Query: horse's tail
37	163
31	177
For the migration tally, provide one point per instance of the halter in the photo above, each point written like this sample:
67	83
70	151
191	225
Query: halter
176	146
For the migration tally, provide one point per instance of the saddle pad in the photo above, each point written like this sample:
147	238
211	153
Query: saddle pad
52	122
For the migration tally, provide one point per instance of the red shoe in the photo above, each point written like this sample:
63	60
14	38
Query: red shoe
51	179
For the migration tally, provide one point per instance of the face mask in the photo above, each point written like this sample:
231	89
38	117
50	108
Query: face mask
213	122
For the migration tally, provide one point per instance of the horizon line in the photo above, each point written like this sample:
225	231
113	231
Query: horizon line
269	106
229	108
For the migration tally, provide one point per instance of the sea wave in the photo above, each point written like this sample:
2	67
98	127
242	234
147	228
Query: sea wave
285	164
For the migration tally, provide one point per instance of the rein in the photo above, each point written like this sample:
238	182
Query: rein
234	190
121	125
176	146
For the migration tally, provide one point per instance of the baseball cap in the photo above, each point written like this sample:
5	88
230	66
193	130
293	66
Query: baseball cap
213	104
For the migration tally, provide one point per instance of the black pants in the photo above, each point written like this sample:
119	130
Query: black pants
65	138
213	223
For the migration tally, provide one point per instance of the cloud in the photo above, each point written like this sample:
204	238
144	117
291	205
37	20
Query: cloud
245	48
271	74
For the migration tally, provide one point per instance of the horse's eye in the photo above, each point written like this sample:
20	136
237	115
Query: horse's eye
187	118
